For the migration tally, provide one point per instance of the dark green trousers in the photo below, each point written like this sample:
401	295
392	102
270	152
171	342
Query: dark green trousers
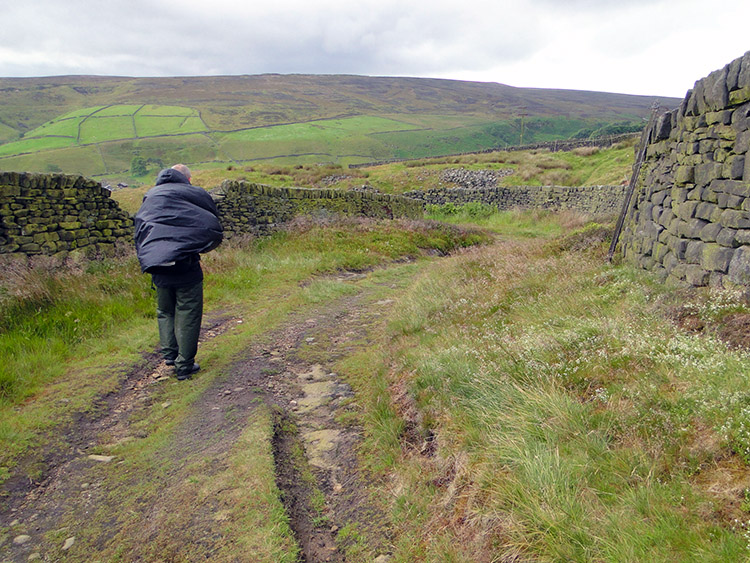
179	311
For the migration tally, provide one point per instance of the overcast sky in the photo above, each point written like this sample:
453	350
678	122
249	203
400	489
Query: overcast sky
650	47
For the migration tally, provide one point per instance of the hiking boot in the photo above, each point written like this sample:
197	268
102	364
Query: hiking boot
169	361
187	373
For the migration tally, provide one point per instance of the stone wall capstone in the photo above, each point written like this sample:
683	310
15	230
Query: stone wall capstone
689	217
57	213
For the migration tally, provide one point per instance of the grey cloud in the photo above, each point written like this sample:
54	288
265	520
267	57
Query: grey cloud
150	38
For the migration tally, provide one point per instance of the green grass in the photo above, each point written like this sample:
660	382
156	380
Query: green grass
573	421
33	146
67	127
70	160
101	129
116	111
151	126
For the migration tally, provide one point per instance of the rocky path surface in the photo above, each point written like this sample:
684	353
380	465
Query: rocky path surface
290	369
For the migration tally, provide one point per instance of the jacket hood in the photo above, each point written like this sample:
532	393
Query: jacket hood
175	220
171	176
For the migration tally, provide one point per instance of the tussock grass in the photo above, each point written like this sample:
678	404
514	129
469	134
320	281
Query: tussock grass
49	308
573	421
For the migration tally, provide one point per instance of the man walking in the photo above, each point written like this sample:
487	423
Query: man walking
175	224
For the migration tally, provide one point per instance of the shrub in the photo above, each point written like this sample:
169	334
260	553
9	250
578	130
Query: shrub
585	151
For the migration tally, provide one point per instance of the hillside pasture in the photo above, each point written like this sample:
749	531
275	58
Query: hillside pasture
27	146
69	160
329	139
67	127
103	129
117	110
153	126
80	113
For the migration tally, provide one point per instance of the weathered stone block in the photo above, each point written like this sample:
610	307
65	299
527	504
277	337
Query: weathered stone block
739	267
692	229
716	92
708	146
716	257
678	246
679	272
656	212
733	187
669	262
723	117
705	210
696	275
710	232
742	236
739	96
742	144
709	196
663	127
729	201
734	167
733	73
666	218
658	197
660	251
735	219
31	248
723	133
678	195
707	172
694	251
684	175
686	210
726	237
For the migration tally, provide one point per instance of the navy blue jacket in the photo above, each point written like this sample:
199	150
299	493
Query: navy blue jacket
176	222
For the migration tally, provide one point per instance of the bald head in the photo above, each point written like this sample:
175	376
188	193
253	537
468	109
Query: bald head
182	169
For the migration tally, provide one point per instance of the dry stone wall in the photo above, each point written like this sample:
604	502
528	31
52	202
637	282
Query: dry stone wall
254	208
51	214
55	213
689	217
587	199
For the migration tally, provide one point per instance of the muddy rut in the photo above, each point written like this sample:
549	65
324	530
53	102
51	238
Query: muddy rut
307	399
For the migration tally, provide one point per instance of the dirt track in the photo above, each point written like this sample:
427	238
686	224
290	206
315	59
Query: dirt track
307	399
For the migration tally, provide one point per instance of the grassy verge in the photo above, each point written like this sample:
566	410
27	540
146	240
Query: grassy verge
541	406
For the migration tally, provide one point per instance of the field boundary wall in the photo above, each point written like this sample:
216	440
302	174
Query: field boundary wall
57	213
689	217
247	207
585	199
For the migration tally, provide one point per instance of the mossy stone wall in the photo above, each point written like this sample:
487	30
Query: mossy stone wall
586	199
56	213
254	208
689	218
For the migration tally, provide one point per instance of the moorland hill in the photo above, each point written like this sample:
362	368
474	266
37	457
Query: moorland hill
102	126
